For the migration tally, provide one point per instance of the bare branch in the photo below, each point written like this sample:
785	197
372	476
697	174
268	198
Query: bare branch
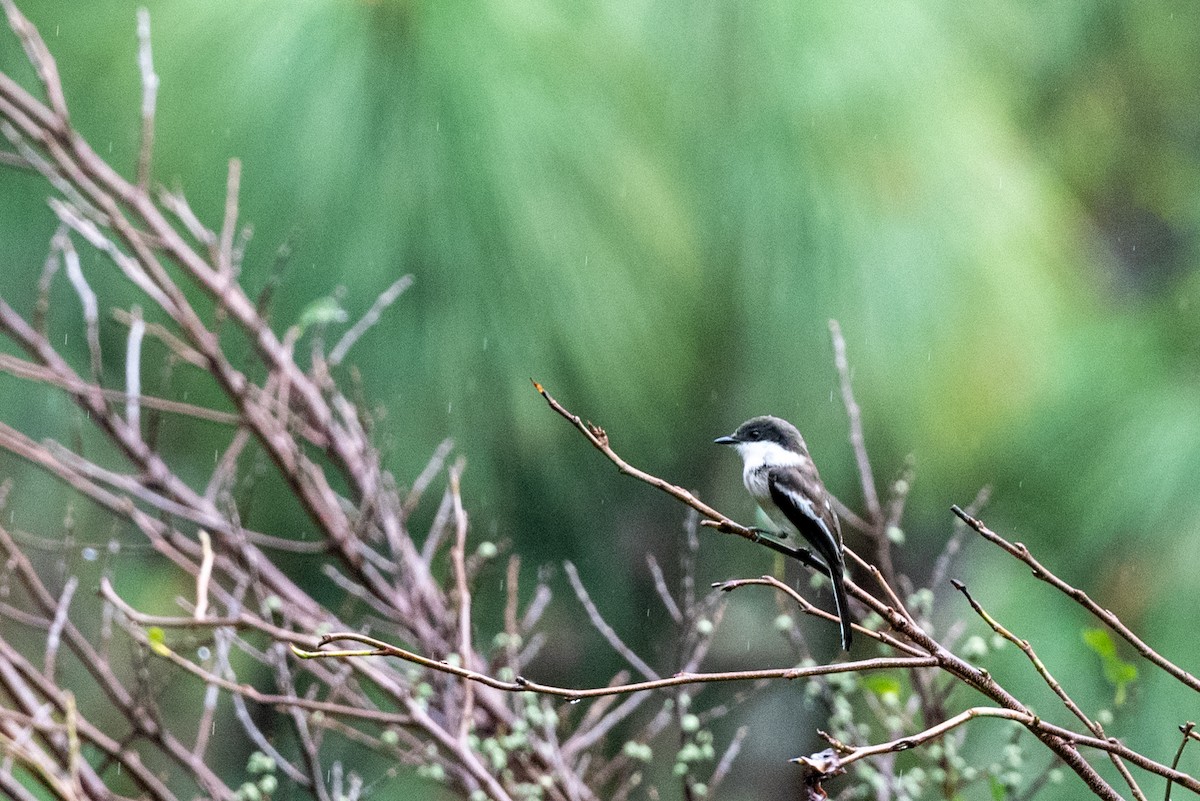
1053	683
664	594
54	633
385	299
224	254
858	441
1020	552
133	370
149	98
601	625
87	299
1188	730
458	556
521	684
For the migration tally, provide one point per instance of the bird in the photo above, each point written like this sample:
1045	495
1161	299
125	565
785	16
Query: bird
781	476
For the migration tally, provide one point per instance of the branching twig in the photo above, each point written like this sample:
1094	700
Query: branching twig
522	684
1020	552
1054	685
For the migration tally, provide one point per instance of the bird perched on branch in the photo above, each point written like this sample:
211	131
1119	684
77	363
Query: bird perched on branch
782	477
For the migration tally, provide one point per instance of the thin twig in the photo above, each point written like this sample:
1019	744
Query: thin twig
852	754
809	609
385	299
1053	683
858	440
601	625
49	269
133	370
54	633
176	203
664	594
726	762
431	470
87	299
951	548
1187	730
522	684
224	255
204	575
1020	552
458	552
35	372
149	98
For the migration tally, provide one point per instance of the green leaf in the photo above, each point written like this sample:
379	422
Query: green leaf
1117	672
157	639
882	685
322	311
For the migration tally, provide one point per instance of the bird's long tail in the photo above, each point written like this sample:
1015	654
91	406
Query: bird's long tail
837	576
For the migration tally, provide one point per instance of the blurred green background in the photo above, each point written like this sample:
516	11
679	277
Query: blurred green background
653	209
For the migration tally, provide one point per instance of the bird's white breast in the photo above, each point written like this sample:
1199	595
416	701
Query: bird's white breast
757	459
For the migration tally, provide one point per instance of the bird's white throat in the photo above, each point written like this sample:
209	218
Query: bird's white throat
769	454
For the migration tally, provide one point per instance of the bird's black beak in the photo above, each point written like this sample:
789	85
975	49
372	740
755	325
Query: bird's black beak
725	441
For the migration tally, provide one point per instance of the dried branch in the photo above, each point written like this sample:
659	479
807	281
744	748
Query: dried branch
1020	552
149	98
522	684
1051	682
385	299
606	631
858	441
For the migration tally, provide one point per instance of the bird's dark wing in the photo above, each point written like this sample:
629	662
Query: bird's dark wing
802	498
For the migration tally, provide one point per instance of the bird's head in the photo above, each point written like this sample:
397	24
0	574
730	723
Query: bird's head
767	439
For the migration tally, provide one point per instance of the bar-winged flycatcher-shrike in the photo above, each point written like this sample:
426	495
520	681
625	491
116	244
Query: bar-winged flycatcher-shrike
779	473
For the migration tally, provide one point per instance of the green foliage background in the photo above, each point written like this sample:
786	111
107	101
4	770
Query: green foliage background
653	209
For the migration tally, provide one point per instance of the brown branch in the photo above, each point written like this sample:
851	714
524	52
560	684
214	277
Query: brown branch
809	609
1188	730
599	439
149	98
521	684
1032	722
223	258
1053	683
243	620
22	368
458	562
877	529
356	331
1020	552
601	625
858	442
